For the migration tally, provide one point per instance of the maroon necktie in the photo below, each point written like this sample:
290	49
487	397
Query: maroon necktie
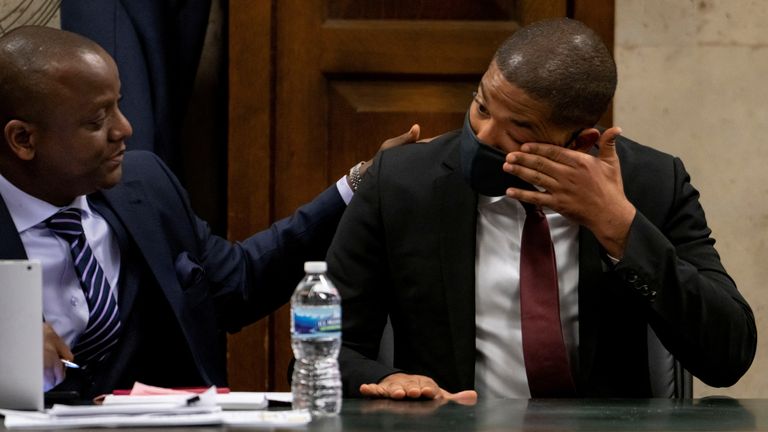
546	359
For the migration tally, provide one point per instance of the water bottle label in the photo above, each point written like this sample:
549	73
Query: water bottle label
311	322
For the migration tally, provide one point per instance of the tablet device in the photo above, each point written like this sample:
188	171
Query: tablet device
21	335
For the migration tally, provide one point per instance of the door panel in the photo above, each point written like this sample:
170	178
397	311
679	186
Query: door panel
410	47
346	75
421	10
383	109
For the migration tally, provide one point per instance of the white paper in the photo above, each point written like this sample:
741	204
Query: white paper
163	410
132	409
227	401
37	420
30	420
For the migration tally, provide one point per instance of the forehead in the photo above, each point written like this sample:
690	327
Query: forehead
86	70
87	77
508	100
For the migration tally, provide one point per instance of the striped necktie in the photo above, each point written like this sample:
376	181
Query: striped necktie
546	358
103	329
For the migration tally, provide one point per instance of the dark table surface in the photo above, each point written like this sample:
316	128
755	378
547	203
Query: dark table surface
711	414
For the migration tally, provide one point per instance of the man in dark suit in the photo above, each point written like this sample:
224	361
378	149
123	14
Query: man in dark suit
169	287
433	241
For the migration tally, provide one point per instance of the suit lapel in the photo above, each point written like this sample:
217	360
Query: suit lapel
590	271
142	224
129	280
11	246
457	226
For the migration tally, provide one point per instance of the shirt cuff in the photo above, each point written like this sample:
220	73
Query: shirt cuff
344	190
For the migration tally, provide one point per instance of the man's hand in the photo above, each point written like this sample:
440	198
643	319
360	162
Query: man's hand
407	138
584	188
400	386
54	349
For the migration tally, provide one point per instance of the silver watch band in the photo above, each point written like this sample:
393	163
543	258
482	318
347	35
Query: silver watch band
354	176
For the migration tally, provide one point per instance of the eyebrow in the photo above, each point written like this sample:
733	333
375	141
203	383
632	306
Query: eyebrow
519	123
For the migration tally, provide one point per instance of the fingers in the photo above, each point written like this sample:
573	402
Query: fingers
372	390
414	133
535	169
409	137
409	387
53	369
51	337
53	376
383	392
466	397
534	160
607	143
54	349
545	157
402	386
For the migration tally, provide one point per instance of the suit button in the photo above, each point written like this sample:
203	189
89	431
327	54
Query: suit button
631	276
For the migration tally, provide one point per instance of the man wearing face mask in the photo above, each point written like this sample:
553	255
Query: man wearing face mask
531	254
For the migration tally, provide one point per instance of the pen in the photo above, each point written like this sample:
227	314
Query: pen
70	364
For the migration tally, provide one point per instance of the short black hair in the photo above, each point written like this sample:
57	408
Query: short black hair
564	64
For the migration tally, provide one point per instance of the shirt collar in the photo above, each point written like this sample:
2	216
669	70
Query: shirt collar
28	211
504	203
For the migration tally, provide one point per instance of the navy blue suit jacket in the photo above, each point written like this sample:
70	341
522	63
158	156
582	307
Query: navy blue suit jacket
182	288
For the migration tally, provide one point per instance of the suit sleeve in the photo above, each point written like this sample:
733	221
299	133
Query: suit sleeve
248	280
357	264
270	263
695	307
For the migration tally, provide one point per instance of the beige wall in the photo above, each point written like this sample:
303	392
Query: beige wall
14	13
692	82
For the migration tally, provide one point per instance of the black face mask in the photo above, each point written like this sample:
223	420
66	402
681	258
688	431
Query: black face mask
482	166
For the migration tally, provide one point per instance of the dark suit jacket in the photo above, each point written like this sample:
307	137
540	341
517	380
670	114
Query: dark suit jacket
181	288
406	247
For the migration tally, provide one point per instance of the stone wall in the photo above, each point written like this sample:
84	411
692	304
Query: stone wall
692	83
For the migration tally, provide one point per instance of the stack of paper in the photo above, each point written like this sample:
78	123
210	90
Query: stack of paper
35	420
207	408
227	401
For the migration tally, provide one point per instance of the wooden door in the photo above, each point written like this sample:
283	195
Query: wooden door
317	85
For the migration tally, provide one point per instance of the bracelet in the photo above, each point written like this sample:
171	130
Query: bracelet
354	176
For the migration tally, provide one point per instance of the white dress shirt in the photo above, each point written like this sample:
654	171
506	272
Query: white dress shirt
64	304
499	367
345	191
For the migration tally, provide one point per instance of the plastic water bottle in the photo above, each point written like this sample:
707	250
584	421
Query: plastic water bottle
315	339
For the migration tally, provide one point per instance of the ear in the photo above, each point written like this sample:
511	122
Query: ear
586	139
19	138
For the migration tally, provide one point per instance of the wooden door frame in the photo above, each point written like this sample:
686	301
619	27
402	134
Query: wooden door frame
249	172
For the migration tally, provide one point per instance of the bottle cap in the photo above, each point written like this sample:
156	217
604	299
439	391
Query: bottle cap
315	267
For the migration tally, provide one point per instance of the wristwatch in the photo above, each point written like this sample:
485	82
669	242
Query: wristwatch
354	176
